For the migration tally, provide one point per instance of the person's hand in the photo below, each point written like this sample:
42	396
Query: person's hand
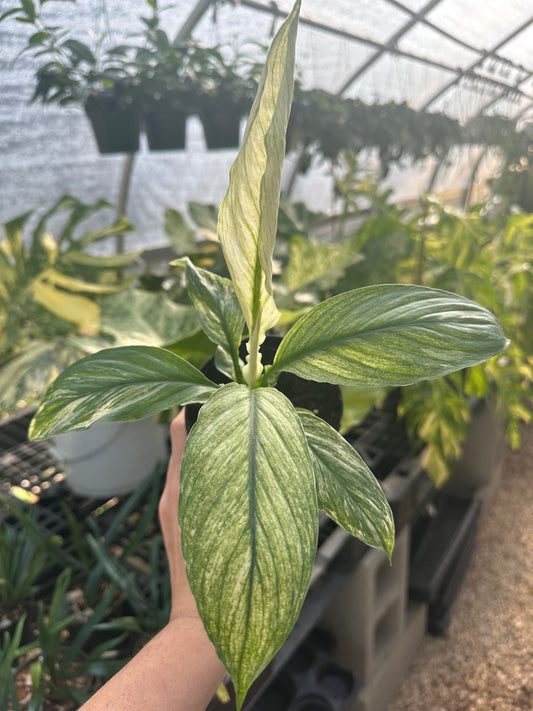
183	604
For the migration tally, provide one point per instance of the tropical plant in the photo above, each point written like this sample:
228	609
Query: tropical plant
476	253
488	260
255	470
60	301
72	70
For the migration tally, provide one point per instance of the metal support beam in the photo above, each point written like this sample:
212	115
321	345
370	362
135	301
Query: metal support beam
387	47
470	70
415	17
190	23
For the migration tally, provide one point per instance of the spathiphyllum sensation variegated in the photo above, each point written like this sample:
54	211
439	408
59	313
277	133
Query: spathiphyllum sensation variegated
255	470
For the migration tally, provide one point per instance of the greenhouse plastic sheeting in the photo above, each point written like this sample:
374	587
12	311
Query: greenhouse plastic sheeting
459	57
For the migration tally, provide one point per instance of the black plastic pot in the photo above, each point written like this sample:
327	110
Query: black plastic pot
221	126
165	128
116	128
323	399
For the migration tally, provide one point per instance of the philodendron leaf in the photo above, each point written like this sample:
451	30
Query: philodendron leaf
26	376
389	335
181	236
74	308
218	310
347	490
309	262
249	521
126	383
134	316
248	214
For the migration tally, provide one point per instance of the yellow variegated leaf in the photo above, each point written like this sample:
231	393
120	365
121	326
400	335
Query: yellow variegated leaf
52	276
71	307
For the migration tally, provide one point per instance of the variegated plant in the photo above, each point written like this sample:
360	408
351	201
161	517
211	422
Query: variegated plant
255	470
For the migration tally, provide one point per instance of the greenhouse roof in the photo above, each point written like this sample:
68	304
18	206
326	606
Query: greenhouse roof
461	58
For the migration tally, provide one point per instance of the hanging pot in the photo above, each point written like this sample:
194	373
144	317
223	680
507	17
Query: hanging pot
110	458
116	127
222	126
165	127
322	399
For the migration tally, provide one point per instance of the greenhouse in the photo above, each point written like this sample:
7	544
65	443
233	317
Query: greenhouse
274	260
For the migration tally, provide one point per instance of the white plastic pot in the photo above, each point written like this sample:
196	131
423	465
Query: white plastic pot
110	458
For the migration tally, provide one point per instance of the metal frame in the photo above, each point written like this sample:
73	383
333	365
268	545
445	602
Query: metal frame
467	75
390	47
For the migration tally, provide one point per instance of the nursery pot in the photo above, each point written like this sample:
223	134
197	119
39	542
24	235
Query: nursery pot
116	128
221	127
110	458
165	127
322	399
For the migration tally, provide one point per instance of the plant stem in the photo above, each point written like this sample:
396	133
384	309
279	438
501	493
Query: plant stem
123	198
253	359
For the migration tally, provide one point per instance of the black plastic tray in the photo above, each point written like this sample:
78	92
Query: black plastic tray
439	549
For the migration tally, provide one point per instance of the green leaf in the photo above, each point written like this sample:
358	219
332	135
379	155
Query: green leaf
249	521
56	278
38	38
309	262
133	316
65	202
347	490
181	236
205	218
117	228
80	50
389	335
29	9
248	214
79	212
97	261
218	310
8	13
196	349
25	377
126	383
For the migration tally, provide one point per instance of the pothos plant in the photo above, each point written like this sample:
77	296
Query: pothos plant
255	470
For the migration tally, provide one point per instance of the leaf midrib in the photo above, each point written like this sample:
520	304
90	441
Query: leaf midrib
252	490
339	342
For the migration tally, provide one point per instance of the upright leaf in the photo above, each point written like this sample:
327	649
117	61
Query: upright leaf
389	335
347	490
126	383
247	217
218	309
249	521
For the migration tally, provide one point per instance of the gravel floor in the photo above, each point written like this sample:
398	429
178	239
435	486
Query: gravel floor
485	662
